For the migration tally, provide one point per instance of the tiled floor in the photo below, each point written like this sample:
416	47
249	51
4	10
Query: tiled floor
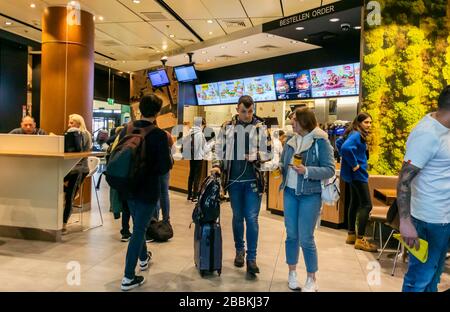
99	257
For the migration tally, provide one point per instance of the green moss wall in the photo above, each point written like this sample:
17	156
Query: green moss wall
406	63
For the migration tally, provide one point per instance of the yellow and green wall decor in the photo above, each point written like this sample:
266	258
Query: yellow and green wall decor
406	63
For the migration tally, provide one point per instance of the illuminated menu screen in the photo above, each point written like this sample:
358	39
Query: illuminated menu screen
207	93
333	81
230	91
260	88
293	86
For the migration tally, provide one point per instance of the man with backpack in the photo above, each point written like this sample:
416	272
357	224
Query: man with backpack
242	146
134	168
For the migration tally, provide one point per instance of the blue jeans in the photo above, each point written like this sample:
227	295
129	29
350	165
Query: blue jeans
164	202
424	277
141	212
245	203
300	218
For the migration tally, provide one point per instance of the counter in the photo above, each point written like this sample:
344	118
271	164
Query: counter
31	185
179	175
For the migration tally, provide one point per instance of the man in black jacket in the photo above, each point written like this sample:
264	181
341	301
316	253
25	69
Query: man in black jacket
143	200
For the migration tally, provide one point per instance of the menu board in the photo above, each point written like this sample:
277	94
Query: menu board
230	91
260	88
293	86
207	93
357	75
333	81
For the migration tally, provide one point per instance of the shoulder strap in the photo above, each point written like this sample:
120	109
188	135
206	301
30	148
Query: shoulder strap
322	184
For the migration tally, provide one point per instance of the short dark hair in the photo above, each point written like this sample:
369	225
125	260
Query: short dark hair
306	118
444	99
246	100
150	105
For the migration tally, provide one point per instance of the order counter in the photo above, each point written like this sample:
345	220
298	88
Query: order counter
179	175
31	185
332	216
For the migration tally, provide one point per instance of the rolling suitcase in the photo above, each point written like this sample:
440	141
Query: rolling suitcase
208	247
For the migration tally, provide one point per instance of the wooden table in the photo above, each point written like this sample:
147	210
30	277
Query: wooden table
387	196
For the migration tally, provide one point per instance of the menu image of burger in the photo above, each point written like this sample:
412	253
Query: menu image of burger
230	91
333	81
207	93
293	86
260	88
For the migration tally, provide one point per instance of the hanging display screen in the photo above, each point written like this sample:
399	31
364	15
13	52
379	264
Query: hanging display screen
333	81
293	86
260	88
207	93
230	91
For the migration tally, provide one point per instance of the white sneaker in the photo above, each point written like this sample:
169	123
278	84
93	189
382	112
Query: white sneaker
292	281
143	265
310	285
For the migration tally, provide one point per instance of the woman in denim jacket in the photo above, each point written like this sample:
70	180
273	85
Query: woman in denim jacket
302	192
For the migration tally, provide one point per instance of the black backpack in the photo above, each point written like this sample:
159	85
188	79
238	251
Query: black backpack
207	208
73	141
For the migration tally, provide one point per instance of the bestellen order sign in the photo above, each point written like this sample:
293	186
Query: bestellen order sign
307	15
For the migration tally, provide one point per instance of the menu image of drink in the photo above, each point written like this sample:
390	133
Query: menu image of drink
293	86
260	88
333	81
207	93
357	75
230	91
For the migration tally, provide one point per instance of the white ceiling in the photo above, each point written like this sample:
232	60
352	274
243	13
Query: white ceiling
128	35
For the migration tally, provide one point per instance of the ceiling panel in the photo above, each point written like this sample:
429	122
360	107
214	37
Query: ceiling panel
22	31
146	8
262	8
205	30
225	9
183	37
262	20
292	7
21	10
236	24
190	9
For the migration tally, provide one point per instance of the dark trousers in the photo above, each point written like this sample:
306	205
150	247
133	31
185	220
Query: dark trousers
195	173
360	207
74	181
125	218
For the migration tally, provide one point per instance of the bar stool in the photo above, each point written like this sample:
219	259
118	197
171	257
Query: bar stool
93	164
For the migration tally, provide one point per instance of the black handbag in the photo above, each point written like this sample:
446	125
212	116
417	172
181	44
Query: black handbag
160	231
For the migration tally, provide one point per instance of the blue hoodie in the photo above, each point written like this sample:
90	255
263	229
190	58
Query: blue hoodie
353	152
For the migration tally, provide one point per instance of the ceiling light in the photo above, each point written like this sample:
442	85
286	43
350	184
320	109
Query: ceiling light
293	41
204	52
223	47
172	36
299	28
357	27
334	20
137	1
8	23
164	47
209	21
124	61
270	36
306	39
186	56
106	62
73	3
246	52
245	42
158	51
210	32
32	5
208	60
100	18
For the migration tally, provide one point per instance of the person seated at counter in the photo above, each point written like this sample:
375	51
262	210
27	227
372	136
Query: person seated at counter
28	126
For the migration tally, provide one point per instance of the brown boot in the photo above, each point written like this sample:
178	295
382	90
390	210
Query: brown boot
351	238
364	244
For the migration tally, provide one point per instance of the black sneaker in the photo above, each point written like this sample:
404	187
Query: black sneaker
252	268
240	258
128	284
143	265
125	237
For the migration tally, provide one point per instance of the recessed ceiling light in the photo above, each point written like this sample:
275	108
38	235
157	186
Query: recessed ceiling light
245	42
293	41
32	5
210	32
186	56
204	52
124	61
158	51
172	36
208	60
334	20
8	23
106	62
299	28
223	47
270	36
164	47
306	39
101	18
137	1
209	21
357	27
246	52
